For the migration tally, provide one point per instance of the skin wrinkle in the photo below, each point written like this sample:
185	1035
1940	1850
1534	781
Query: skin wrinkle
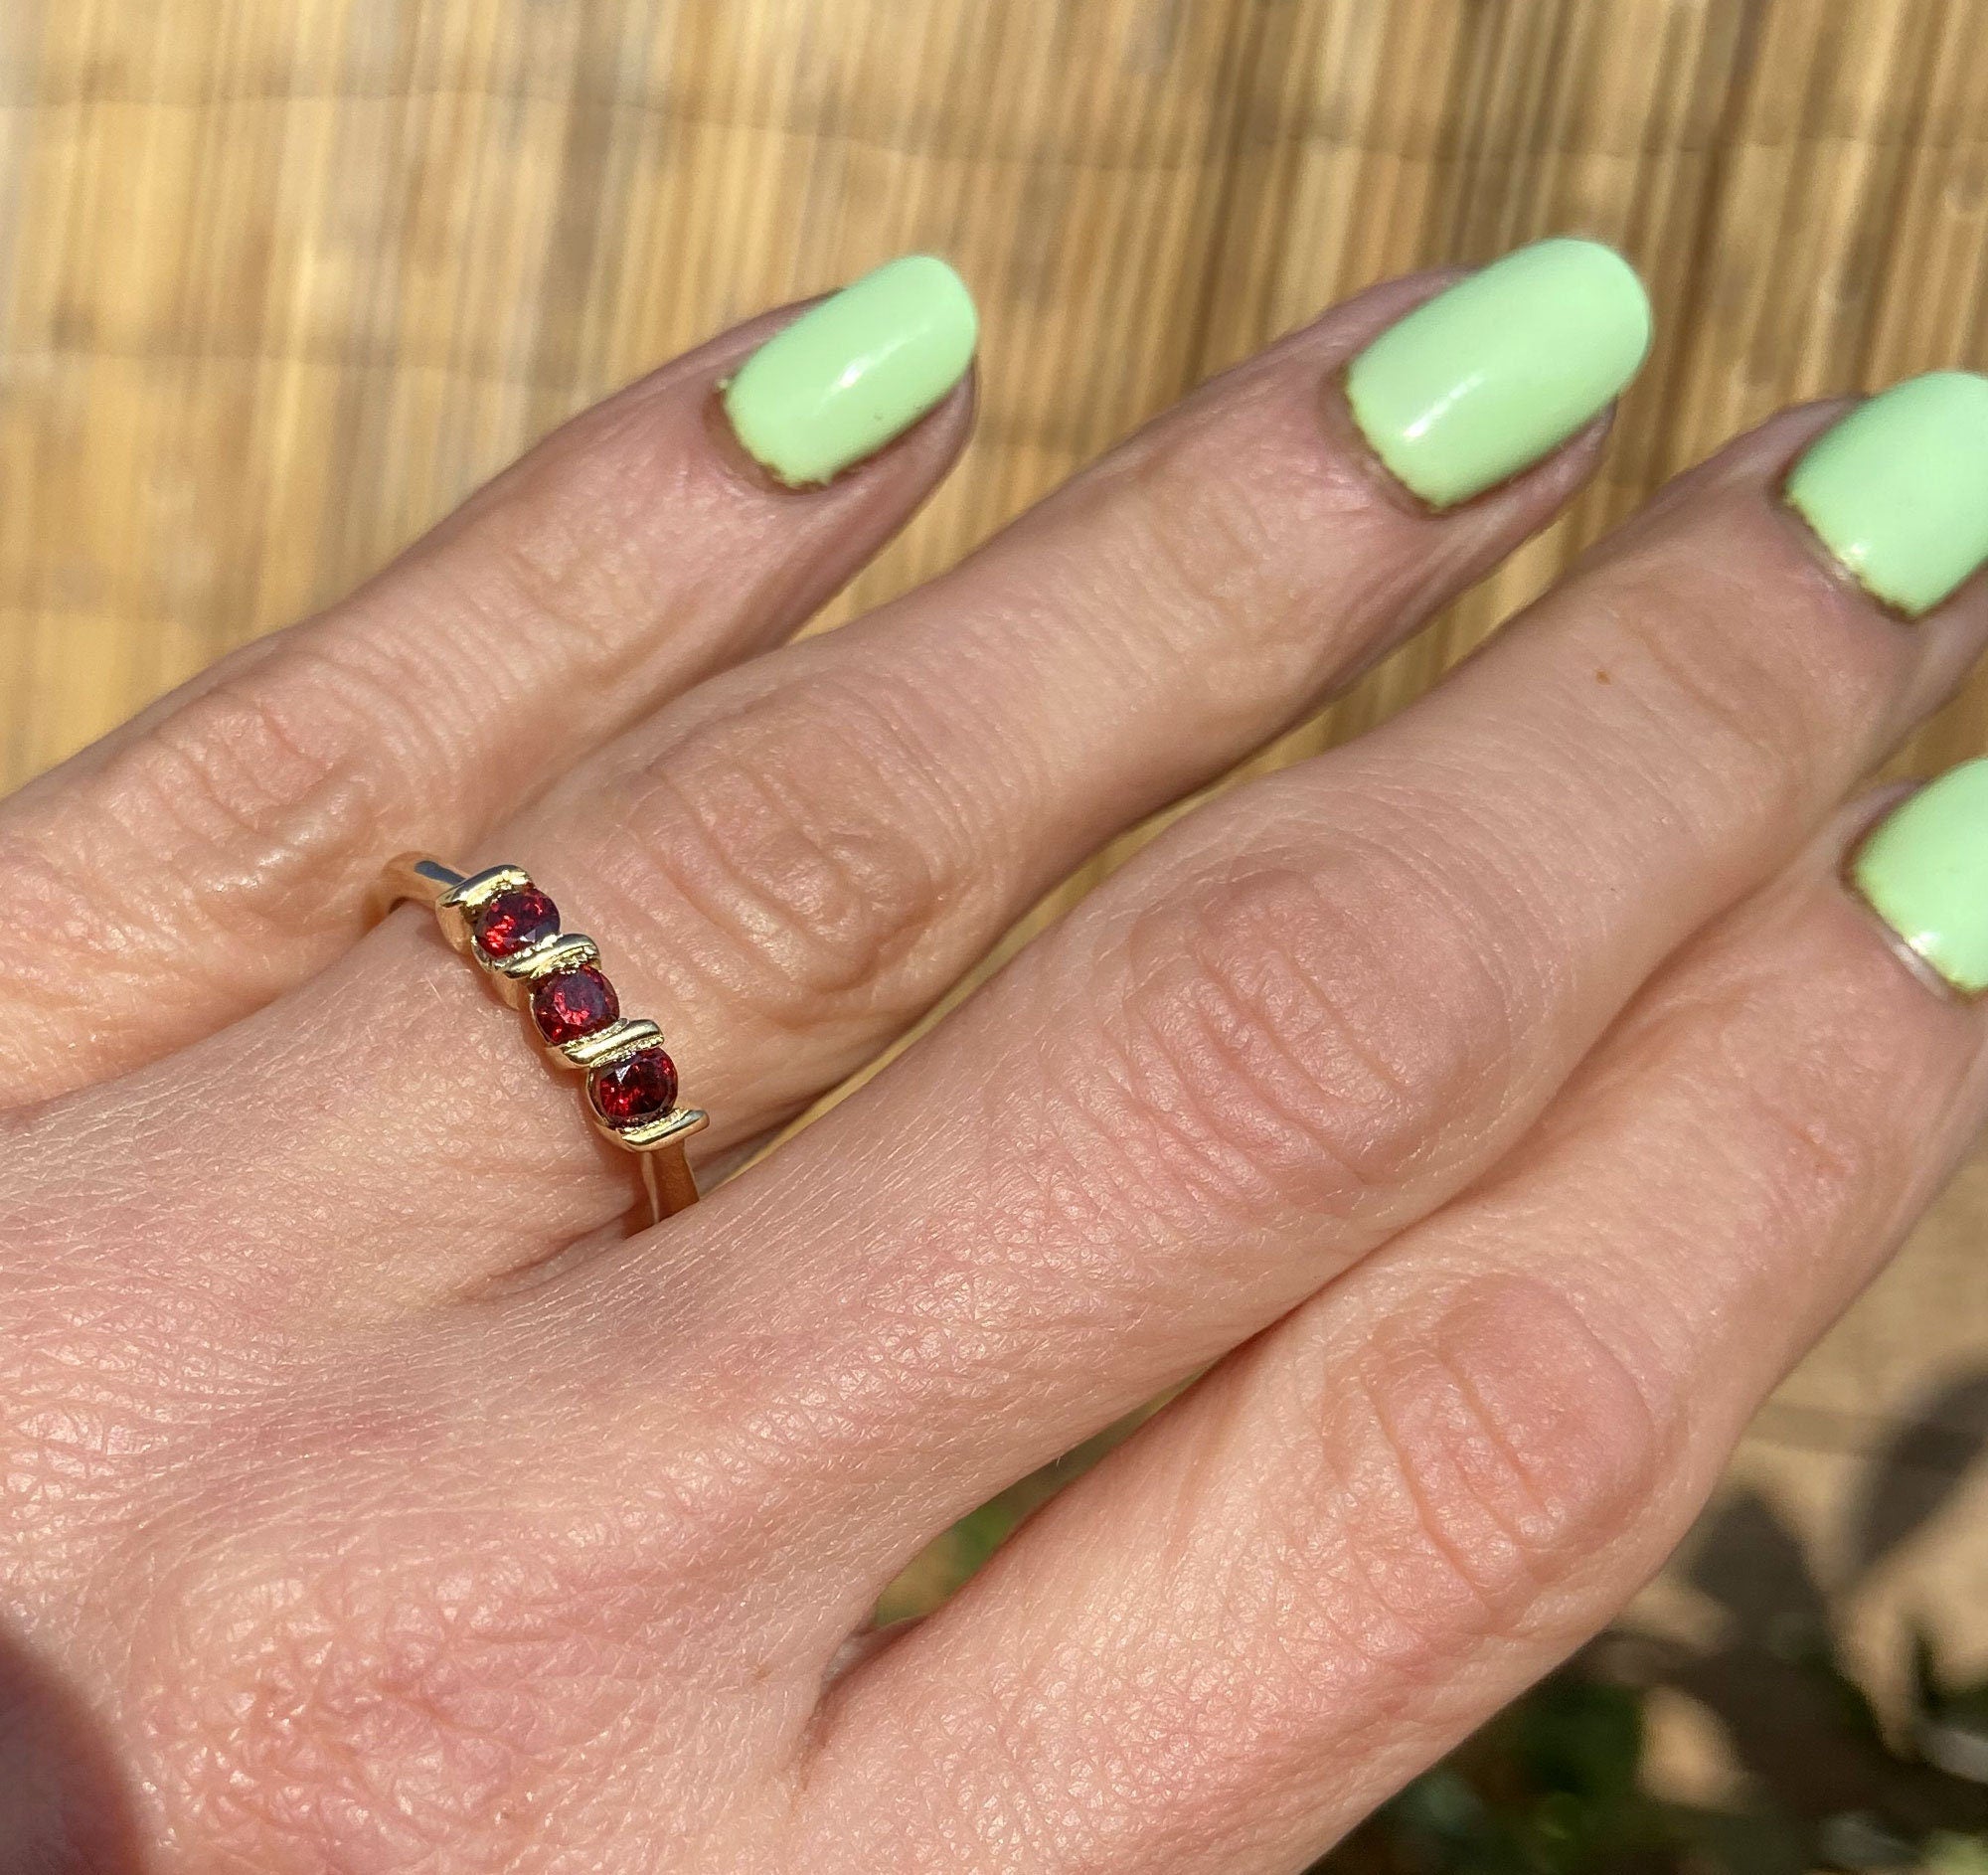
586	558
1213	1737
1480	527
1160	612
1303	961
244	760
1188	1512
1747	749
1701	1429
1240	553
975	1269
1540	1510
386	1583
1692	1449
808	908
435	1503
438	623
1666	1036
1702	1038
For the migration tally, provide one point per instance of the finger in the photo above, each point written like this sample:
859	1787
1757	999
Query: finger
1376	1524
796	859
1308	1015
219	849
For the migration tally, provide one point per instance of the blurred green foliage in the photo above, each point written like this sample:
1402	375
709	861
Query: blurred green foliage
1555	1783
1554	1786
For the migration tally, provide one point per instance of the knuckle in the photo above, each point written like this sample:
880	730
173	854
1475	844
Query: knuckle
1216	543
580	529
579	563
1197	539
1476	1461
1815	1152
811	838
1760	708
1772	1060
1302	1032
536	566
255	759
369	1711
1749	728
251	795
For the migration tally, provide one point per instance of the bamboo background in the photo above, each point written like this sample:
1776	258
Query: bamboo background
281	281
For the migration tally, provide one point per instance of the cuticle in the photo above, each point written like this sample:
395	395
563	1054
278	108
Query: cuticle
739	461
1340	416
1922	967
1819	549
1391	488
747	468
1843	576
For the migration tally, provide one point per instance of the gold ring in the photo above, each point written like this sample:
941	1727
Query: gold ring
505	925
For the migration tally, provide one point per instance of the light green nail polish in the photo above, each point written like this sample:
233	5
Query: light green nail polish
1898	490
1924	871
854	371
1485	378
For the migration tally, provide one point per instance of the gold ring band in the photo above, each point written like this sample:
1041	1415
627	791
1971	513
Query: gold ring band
505	925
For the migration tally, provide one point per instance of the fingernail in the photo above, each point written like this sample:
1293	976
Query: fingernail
852	373
1488	378
1924	871
1898	490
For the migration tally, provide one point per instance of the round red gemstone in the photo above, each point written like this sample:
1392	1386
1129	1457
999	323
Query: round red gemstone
572	1003
515	920
638	1087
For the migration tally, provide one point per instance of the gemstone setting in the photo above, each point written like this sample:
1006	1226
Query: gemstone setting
503	922
640	1086
572	1003
515	920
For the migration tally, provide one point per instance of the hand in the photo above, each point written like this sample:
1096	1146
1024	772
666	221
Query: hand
1500	1102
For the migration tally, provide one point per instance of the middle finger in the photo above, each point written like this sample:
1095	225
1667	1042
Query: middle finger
1298	1022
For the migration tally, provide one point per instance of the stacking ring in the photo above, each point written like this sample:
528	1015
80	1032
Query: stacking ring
505	925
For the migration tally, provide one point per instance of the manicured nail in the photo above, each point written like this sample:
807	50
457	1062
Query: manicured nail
1898	490
1485	378
1924	872
854	371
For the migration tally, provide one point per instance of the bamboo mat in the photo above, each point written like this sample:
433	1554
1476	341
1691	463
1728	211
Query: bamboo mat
281	281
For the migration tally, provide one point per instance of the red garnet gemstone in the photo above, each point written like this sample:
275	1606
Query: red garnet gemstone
515	920
572	1003
639	1086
